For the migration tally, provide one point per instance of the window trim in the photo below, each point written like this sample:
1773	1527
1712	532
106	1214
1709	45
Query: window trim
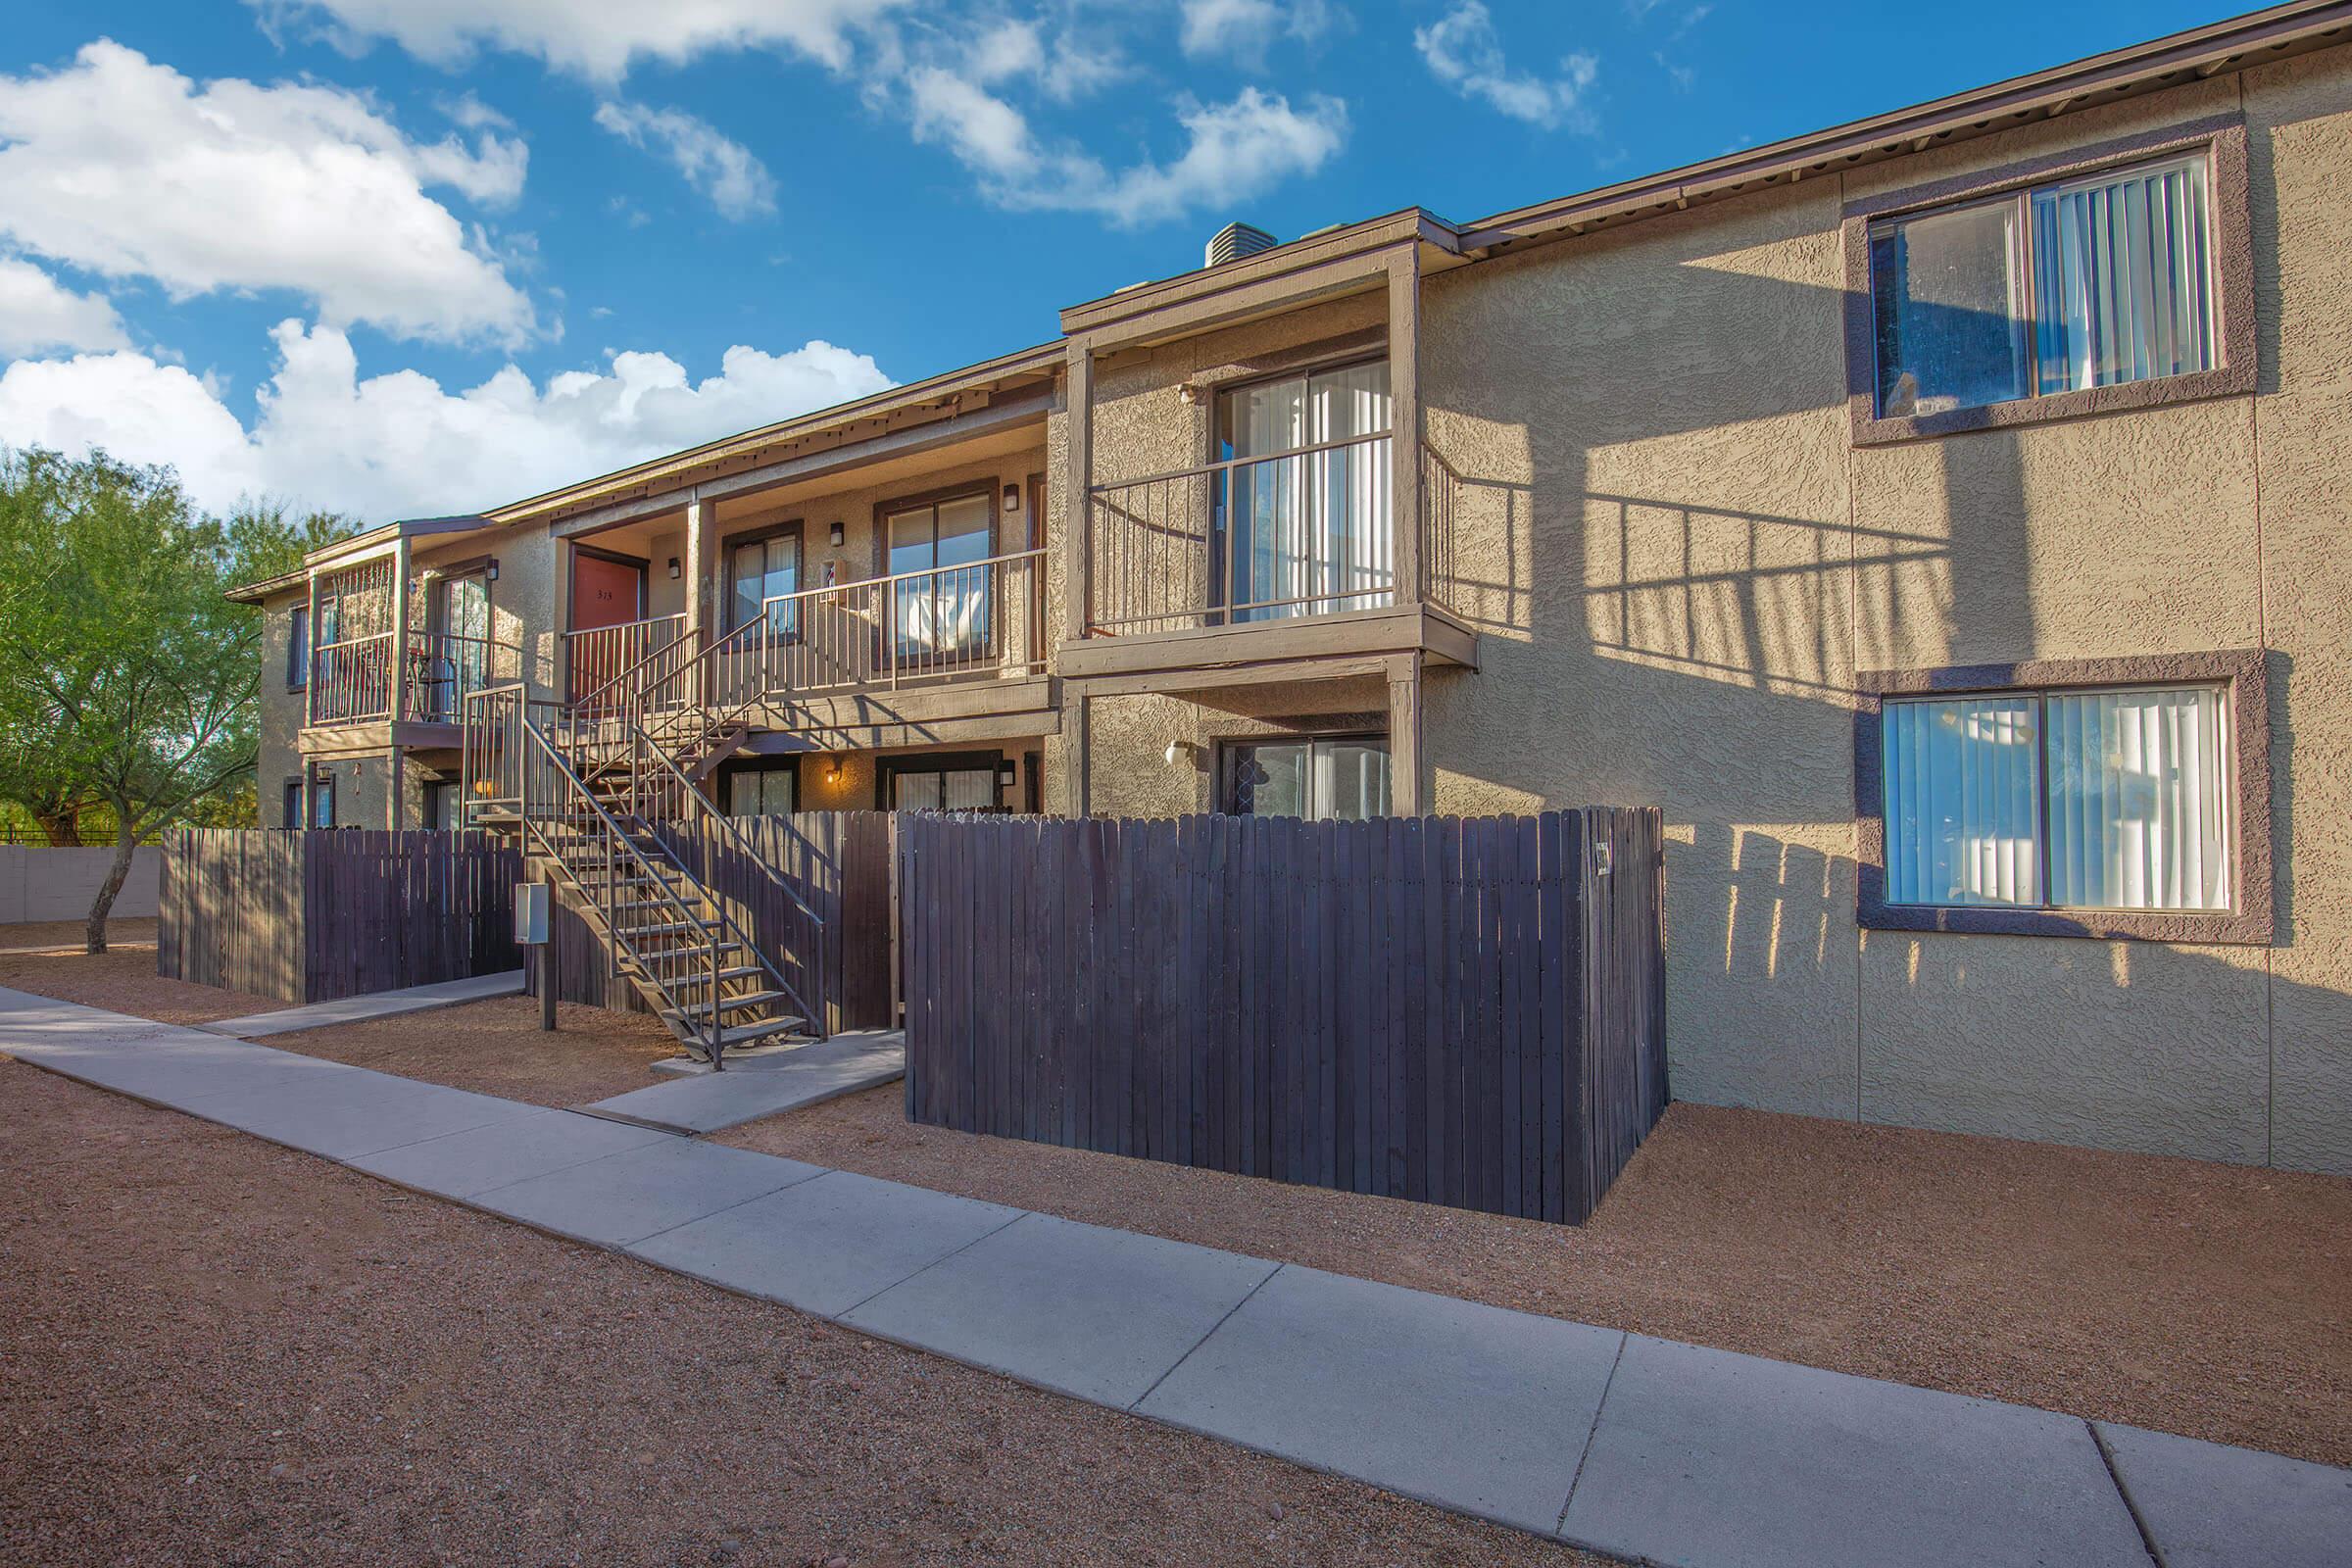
788	762
2223	142
1229	747
888	768
298	648
2243	672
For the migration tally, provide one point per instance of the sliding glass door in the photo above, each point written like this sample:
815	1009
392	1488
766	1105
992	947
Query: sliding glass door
942	612
1304	524
1324	778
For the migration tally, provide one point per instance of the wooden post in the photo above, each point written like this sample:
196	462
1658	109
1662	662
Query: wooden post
701	601
1405	792
1076	745
548	979
309	673
1078	505
399	647
1404	402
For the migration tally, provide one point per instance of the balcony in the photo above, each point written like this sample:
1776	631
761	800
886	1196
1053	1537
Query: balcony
351	681
1269	560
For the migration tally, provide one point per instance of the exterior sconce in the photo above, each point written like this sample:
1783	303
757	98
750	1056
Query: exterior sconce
1012	498
834	533
490	572
833	772
1189	393
674	569
1182	751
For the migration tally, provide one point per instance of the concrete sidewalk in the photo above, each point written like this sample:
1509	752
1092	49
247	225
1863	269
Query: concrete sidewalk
1639	1447
374	1005
765	1086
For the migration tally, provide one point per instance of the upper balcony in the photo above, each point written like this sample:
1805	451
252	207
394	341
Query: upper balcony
1297	555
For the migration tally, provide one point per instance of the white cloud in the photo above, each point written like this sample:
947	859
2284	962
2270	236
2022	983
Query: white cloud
1465	53
596	39
725	171
130	170
39	313
1245	30
398	444
1234	151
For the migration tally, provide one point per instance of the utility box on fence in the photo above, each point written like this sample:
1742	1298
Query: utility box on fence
1461	1011
530	915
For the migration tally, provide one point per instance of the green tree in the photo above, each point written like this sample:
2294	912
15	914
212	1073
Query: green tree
127	680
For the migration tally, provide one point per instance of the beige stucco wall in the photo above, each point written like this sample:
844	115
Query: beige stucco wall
1677	559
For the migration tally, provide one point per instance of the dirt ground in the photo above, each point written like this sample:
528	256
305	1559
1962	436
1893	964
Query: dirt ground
221	1352
496	1048
122	979
2214	1301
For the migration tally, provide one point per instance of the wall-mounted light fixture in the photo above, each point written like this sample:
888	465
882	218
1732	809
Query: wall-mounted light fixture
834	533
1190	392
833	772
1182	751
490	572
1012	498
674	569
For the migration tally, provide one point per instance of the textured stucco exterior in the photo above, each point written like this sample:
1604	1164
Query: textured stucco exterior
1683	567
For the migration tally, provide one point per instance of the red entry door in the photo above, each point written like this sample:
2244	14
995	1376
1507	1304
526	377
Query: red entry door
604	593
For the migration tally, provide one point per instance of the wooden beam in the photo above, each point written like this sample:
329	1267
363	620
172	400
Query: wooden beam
310	676
1078	501
1405	403
1077	750
400	645
1407	796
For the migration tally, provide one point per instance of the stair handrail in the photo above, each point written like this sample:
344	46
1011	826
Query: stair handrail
591	699
817	923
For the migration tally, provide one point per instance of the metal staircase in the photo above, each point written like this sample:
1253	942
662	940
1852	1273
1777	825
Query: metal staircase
603	794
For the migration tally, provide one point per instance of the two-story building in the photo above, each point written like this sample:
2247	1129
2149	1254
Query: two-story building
1942	516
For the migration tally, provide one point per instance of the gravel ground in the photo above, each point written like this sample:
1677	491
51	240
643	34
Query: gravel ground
122	980
496	1048
221	1352
2214	1301
56	933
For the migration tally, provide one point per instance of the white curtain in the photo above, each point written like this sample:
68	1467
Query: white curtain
2139	799
2122	281
1963	797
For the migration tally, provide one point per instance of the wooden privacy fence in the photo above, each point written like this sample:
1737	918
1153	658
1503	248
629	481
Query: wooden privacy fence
315	915
1462	1012
839	861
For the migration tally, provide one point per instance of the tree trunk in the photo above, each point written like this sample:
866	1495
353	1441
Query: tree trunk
127	839
63	827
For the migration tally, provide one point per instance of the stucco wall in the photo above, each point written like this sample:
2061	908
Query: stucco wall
1677	559
39	883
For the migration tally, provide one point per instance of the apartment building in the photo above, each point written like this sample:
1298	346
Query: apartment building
1942	516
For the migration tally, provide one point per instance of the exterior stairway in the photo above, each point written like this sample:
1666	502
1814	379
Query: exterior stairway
601	792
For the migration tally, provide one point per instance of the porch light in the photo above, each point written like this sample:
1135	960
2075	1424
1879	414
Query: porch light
674	569
1189	393
490	571
834	533
1012	498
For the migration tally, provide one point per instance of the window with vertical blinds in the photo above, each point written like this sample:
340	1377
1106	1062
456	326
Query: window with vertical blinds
2107	798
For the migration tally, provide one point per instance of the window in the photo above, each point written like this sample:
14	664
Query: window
959	781
1312	533
2063	287
290	813
2097	798
767	567
323	799
946	611
298	649
1336	777
762	791
441	807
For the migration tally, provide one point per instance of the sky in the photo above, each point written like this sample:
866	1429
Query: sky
406	257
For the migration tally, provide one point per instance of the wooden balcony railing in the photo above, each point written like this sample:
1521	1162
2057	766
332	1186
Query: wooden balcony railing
1306	533
351	681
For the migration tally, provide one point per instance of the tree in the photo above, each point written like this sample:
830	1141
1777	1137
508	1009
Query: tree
127	680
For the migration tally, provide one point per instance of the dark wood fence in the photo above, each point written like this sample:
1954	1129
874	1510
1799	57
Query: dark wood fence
838	861
311	917
1460	1012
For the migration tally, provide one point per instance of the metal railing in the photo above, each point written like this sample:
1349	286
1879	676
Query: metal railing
595	660
912	627
510	766
1305	532
446	667
351	681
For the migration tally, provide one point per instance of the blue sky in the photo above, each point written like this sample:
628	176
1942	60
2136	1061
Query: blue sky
409	256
